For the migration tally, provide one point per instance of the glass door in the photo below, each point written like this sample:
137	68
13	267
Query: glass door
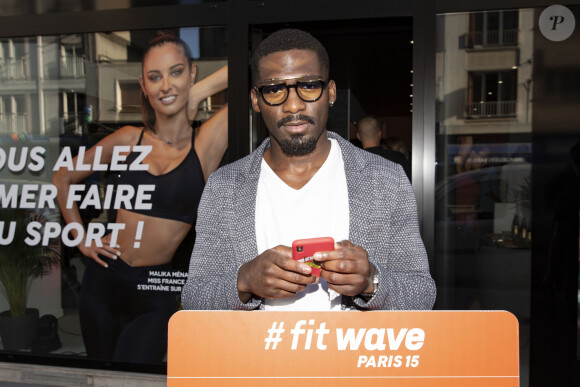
506	177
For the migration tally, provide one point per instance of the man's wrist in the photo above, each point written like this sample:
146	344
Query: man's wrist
373	285
243	294
241	284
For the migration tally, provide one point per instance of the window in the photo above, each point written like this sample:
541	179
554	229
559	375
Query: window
72	60
12	115
492	28
70	100
128	99
491	94
13	59
74	112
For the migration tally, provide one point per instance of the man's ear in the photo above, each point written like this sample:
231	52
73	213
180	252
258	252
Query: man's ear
331	92
254	97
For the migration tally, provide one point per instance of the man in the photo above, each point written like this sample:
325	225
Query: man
369	133
305	182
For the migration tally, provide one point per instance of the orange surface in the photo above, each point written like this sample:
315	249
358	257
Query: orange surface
434	348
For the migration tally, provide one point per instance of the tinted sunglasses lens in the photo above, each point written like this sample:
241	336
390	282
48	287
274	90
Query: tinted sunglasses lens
309	91
274	94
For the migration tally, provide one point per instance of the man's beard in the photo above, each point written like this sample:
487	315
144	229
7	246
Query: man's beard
298	144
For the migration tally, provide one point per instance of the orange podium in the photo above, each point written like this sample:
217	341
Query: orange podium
431	348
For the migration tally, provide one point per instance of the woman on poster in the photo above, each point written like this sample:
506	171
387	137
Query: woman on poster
124	307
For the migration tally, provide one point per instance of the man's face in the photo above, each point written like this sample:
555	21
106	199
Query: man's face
295	125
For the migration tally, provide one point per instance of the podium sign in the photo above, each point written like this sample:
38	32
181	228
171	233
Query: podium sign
434	348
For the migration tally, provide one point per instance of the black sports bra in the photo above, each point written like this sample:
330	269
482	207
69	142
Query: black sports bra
177	192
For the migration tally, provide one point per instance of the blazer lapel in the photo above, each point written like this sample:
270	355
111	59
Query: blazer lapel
245	203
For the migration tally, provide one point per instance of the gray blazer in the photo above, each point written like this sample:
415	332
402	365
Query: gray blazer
383	220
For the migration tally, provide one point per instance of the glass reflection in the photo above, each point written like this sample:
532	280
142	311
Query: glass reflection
483	196
70	91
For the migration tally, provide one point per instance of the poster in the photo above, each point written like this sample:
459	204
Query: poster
60	96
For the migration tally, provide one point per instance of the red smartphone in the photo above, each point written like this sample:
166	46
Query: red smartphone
304	249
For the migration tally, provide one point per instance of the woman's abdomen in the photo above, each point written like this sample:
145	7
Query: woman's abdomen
148	241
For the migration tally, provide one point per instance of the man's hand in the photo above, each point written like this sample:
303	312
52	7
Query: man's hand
273	274
347	269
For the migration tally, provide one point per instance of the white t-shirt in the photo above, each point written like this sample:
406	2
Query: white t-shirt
318	209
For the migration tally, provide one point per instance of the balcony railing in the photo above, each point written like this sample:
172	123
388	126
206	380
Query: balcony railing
491	38
72	66
13	68
13	124
72	122
495	109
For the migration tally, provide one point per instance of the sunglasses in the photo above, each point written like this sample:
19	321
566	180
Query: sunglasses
277	94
